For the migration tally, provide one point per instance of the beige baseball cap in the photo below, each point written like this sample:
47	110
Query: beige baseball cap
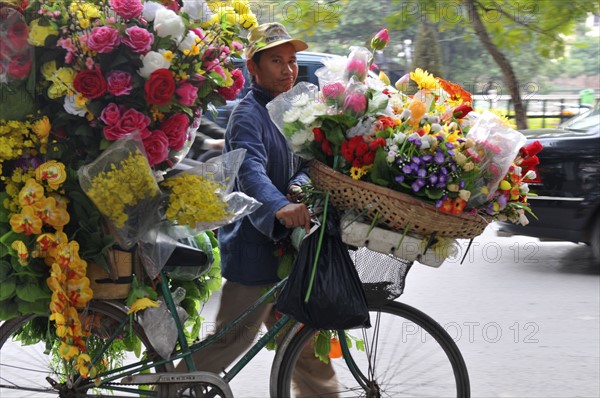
269	35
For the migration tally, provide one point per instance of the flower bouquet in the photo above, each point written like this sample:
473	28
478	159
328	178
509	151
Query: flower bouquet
425	163
111	67
100	99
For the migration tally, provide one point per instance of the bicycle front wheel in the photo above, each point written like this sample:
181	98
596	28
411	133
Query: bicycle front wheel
406	354
32	370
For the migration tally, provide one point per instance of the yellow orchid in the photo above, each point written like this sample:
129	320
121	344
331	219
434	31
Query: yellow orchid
22	251
51	214
83	365
27	222
30	193
141	304
53	172
67	351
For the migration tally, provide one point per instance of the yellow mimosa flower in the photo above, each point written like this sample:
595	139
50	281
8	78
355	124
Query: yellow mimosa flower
83	365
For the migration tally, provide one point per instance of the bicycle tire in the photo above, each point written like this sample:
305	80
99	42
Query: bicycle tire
425	362
26	367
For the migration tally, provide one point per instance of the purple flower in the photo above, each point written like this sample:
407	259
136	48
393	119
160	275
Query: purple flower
438	203
418	184
451	153
416	160
433	178
400	178
422	173
449	145
461	184
406	169
439	158
426	158
444	171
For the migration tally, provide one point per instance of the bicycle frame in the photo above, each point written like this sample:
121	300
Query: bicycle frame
185	352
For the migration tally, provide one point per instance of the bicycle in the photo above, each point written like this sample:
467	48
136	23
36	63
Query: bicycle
424	362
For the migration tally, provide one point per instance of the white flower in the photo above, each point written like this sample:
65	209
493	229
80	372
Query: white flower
150	8
425	142
291	115
151	62
74	107
188	41
301	137
307	116
522	217
464	194
531	175
300	100
168	23
524	189
399	138
198	10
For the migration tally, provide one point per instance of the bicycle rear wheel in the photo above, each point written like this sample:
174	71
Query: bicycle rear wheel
26	370
406	354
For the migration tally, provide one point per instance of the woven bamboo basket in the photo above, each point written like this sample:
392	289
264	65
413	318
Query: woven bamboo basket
116	284
394	210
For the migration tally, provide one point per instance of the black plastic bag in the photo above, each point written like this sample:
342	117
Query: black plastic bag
337	299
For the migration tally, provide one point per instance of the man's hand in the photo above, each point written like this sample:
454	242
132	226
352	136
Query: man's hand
294	215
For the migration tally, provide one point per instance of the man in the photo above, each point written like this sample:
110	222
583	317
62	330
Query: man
271	173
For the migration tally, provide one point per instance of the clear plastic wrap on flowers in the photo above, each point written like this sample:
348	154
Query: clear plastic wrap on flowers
16	60
121	184
176	156
201	198
295	113
358	64
495	147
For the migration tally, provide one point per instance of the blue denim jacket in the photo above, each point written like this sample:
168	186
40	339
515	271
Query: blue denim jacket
269	168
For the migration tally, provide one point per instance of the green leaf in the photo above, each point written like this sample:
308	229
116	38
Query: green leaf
39	307
31	290
7	288
9	309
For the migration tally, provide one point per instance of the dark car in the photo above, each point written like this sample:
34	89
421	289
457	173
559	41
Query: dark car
567	184
308	63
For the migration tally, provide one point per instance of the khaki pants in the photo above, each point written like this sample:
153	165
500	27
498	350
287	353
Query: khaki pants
311	377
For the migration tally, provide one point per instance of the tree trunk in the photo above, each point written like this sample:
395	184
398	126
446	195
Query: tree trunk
507	70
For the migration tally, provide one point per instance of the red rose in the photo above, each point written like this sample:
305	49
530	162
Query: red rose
130	121
160	87
156	146
368	158
176	128
230	93
19	66
90	83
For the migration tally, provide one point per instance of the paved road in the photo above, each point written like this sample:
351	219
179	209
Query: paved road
524	313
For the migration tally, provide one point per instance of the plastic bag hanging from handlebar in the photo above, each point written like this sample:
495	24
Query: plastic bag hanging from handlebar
337	299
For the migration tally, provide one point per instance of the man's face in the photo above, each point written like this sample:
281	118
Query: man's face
277	69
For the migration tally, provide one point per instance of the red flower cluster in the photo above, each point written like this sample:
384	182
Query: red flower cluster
325	144
360	153
528	156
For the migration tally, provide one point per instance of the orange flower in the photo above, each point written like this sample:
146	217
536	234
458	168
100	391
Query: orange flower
457	94
417	109
27	222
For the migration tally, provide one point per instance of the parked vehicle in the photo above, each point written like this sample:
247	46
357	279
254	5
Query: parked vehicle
567	184
308	63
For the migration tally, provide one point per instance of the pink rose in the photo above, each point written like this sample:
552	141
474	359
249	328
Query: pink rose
127	9
103	39
356	103
358	68
138	39
381	39
199	32
131	120
156	146
111	114
187	94
333	93
176	128
119	82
